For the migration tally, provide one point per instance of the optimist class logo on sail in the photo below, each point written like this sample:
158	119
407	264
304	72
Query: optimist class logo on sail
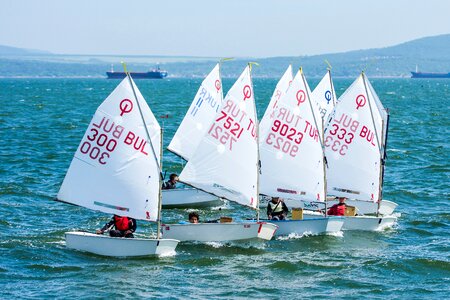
104	136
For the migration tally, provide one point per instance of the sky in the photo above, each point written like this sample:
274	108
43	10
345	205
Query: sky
212	28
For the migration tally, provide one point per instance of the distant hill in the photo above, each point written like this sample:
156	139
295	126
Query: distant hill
431	54
7	50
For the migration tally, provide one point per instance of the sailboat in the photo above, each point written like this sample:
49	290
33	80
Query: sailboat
292	158
226	164
194	126
355	147
325	97
117	170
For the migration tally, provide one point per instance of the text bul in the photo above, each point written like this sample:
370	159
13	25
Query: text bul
137	142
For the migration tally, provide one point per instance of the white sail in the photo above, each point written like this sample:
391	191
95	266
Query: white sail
200	116
226	162
280	90
114	169
325	96
383	112
291	152
353	141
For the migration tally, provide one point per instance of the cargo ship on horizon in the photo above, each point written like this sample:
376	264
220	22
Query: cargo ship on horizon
418	74
152	74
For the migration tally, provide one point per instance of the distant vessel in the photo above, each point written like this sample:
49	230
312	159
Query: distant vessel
152	74
418	74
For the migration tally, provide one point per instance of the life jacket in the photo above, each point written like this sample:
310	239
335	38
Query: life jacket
276	207
337	210
121	223
168	185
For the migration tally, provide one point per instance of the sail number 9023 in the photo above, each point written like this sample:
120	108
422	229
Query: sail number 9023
283	137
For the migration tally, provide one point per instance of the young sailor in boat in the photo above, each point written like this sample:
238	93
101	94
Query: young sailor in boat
277	209
339	208
124	227
171	183
193	217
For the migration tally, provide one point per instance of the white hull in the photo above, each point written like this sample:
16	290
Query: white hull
119	247
309	226
369	223
188	197
219	232
366	207
366	223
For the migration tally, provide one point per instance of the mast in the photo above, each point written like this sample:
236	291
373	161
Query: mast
325	163
333	96
321	136
378	141
151	146
158	232
383	163
258	160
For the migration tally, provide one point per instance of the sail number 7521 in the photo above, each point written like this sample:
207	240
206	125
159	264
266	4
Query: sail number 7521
227	132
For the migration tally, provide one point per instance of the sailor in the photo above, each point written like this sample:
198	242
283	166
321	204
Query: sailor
193	217
339	208
124	227
277	209
171	183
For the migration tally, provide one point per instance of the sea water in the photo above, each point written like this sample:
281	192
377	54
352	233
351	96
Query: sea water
43	120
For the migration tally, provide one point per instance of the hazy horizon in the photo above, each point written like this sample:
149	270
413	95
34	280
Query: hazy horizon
46	52
200	28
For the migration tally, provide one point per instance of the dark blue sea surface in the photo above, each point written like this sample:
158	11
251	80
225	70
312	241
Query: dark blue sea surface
43	120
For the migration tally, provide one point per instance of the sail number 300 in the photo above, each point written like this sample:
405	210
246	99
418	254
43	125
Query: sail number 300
92	148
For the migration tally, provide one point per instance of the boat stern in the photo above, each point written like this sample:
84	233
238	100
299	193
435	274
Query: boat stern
387	207
266	231
334	224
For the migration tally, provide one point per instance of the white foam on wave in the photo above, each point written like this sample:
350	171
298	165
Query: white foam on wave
336	234
168	254
215	244
224	205
294	236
